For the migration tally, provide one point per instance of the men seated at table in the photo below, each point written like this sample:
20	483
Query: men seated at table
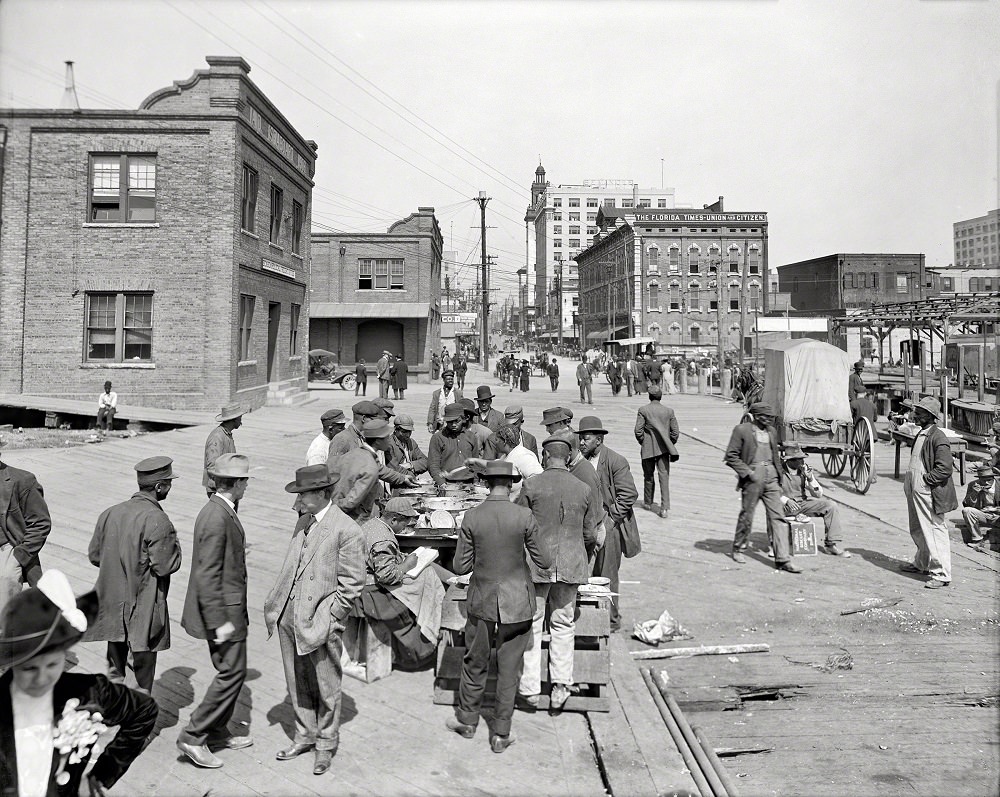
981	509
801	494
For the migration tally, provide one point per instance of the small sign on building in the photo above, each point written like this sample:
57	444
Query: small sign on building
277	268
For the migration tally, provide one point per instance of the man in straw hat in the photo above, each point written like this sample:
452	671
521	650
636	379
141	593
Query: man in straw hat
37	628
215	609
801	494
136	548
321	577
333	422
981	508
568	515
930	494
753	452
618	495
220	441
501	604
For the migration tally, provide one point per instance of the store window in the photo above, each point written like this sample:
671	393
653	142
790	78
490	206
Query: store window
122	188
119	327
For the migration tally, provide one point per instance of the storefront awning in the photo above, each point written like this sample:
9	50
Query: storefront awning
602	334
369	310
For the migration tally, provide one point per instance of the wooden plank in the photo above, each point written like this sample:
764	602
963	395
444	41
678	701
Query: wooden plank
589	666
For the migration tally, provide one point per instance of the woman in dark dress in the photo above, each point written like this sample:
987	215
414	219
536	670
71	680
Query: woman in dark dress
525	375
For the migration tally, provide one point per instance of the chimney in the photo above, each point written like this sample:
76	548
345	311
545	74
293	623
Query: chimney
635	195
69	98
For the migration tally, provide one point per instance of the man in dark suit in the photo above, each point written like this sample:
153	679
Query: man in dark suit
855	384
24	527
215	609
220	441
618	494
656	432
404	455
400	378
863	407
754	454
501	601
444	396
322	575
487	416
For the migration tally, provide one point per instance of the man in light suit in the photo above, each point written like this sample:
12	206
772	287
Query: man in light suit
220	441
215	609
618	494
382	367
656	432
322	575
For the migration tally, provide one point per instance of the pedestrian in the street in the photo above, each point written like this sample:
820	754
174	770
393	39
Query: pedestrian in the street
667	371
981	508
220	441
136	548
37	630
215	609
618	495
629	374
487	416
435	366
461	369
568	520
333	422
441	398
382	366
615	376
863	407
24	527
754	453
402	378
501	603
525	376
584	379
653	372
445	361
657	433
321	577
107	406
361	377
640	374
556	419
552	369
930	494
473	427
801	494
514	417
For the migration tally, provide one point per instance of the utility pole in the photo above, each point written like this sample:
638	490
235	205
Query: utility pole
484	344
718	319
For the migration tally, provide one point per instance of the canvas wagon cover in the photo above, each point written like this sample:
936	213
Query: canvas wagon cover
806	378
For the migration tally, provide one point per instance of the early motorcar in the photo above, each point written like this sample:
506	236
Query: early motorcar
324	367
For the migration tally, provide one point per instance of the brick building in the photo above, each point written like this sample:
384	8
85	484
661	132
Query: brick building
165	249
677	276
379	291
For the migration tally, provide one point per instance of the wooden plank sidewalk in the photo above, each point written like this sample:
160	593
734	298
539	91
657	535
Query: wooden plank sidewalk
125	411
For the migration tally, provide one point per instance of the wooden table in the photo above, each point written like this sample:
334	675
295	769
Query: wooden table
445	543
958	446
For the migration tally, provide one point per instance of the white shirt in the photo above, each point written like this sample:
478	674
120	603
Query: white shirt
224	498
34	723
524	461
108	400
319	450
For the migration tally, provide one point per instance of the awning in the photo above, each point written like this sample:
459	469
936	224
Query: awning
369	309
603	333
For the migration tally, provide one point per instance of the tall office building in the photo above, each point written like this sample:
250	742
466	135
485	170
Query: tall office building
976	240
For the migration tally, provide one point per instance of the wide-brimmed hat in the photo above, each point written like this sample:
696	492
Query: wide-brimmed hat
400	506
929	404
368	409
985	469
403	422
483	393
591	423
230	466
454	412
792	451
154	469
229	412
759	408
859	364
334	415
375	429
44	619
311	477
554	415
500	469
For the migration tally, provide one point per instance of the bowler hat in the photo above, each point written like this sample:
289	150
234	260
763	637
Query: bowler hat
334	415
483	393
229	412
929	404
761	408
400	506
500	469
154	469
792	451
375	429
591	423
311	477
367	409
454	412
403	422
554	415
230	466
45	618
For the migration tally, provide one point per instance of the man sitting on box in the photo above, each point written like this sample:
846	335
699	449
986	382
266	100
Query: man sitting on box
801	494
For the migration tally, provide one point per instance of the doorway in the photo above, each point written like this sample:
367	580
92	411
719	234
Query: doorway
374	337
273	321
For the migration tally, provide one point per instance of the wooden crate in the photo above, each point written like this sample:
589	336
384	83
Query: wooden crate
591	660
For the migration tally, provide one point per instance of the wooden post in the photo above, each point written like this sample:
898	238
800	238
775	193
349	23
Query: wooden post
944	372
961	368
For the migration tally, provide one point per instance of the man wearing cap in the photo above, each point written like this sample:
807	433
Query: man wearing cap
450	447
584	379
351	436
472	428
801	494
657	433
754	454
320	579
618	496
930	494
136	548
514	417
441	398
487	416
220	441
107	406
215	609
24	528
981	508
404	455
382	366
567	517
361	476
409	605
319	449
855	384
501	603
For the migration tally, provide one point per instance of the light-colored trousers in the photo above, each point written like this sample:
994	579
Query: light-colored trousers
11	575
979	524
929	533
560	600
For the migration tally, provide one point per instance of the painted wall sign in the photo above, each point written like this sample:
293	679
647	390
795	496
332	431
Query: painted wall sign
277	268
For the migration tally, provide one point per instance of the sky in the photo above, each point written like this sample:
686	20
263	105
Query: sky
857	126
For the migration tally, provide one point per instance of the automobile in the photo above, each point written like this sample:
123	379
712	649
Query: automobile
324	367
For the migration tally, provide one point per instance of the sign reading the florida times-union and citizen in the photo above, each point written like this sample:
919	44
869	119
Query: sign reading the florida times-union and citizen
683	216
277	268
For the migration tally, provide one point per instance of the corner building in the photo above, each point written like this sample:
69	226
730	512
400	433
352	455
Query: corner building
165	249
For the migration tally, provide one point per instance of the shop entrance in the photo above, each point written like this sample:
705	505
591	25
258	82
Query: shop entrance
377	336
273	321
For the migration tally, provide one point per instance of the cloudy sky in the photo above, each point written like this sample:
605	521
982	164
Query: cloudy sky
857	126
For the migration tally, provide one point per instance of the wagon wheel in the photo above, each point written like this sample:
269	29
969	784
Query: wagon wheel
834	462
863	455
349	382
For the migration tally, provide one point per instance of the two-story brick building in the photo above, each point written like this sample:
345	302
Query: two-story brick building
373	292
165	249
